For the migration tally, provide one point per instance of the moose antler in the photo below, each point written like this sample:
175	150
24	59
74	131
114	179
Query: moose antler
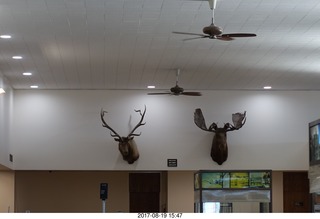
238	119
201	123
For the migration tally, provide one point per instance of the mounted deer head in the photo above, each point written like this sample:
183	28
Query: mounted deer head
219	147
127	148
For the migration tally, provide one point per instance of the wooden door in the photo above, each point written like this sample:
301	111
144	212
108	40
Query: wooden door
144	191
296	196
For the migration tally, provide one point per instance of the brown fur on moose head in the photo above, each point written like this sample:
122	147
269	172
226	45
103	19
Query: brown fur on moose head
219	147
127	147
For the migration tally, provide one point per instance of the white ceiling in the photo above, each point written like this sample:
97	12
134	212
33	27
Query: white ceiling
129	44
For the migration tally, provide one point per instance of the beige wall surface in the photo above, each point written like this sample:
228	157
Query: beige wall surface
78	191
180	191
74	191
6	191
277	192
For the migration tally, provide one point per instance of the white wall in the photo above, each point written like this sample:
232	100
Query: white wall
6	101
61	130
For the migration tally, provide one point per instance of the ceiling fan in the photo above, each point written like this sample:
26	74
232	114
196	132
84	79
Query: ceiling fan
215	32
177	90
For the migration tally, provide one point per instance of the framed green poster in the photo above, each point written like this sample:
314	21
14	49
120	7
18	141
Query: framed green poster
212	180
260	179
239	180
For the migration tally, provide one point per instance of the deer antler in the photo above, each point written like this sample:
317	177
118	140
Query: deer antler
113	133
139	123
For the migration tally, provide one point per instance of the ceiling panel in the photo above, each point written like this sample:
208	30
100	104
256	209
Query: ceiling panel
129	44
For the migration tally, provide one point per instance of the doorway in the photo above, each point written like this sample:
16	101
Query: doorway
296	196
144	192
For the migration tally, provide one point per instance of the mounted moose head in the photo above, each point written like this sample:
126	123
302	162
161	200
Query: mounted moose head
219	147
127	148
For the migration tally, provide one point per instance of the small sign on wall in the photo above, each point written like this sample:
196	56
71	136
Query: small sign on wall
103	191
172	162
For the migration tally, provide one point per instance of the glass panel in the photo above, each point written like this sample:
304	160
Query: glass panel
214	180
233	191
196	181
226	208
260	179
197	207
226	180
197	196
236	195
211	207
239	180
264	207
236	207
316	202
246	207
314	144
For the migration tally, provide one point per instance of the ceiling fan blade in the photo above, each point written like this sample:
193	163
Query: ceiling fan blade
191	93
158	93
224	38
194	34
194	38
239	35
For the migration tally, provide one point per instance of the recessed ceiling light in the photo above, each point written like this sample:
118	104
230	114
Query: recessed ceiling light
267	87
151	86
17	57
2	91
5	36
34	86
27	73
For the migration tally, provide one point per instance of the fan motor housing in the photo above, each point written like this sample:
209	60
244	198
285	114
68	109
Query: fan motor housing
176	90
212	30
